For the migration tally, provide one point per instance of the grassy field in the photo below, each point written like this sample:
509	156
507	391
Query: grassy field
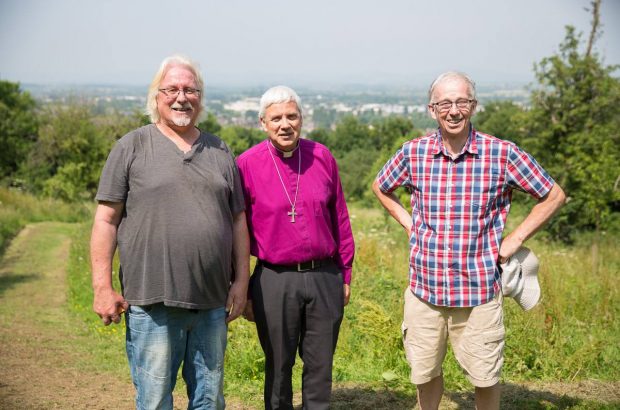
571	335
17	209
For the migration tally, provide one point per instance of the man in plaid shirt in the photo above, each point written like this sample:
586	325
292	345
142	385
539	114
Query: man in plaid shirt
461	182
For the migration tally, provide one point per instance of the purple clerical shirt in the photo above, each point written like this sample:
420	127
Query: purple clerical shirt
321	229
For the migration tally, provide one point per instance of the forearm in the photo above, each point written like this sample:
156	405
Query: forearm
540	214
103	243
106	302
391	203
536	219
241	249
102	248
237	295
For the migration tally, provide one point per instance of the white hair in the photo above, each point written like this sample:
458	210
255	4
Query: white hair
453	75
168	63
277	95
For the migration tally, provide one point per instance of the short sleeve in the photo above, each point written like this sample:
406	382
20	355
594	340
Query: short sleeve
395	173
114	181
525	174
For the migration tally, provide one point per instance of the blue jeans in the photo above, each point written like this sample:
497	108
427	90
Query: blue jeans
159	338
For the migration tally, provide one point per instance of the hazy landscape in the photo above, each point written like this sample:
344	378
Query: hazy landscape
323	107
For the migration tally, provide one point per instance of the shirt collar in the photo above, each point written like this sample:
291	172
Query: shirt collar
470	146
281	154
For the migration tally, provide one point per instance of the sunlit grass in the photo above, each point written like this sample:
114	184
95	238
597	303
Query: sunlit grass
571	335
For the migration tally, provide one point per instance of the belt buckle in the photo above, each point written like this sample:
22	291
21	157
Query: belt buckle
300	269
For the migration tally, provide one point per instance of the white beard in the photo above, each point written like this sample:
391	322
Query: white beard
183	121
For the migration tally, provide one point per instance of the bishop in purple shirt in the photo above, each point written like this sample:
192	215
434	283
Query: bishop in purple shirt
301	235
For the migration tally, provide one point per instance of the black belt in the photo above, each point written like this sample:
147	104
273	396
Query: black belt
299	267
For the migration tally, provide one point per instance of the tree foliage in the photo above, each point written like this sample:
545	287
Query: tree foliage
18	126
573	129
70	152
210	124
503	119
71	148
240	138
356	145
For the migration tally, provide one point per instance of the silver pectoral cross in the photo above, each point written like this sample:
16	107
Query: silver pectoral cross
292	214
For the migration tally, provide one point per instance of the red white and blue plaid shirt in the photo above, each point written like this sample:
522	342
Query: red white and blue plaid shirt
459	209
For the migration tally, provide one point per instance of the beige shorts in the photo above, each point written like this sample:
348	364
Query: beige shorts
476	335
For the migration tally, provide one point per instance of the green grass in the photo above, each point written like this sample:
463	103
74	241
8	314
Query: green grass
571	335
18	209
108	341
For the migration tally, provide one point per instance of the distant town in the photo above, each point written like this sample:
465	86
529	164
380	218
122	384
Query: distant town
239	106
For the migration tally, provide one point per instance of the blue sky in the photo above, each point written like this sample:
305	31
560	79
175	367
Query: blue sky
244	42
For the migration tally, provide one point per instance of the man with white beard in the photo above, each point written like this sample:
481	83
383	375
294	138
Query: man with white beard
171	199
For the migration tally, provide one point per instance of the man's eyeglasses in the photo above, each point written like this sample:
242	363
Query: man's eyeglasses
174	92
461	104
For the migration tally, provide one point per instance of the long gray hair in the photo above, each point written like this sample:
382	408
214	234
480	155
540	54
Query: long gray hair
168	63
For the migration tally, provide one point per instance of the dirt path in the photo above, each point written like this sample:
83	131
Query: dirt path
45	361
40	368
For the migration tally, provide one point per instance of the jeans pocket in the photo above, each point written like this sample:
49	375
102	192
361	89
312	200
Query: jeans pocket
149	318
140	310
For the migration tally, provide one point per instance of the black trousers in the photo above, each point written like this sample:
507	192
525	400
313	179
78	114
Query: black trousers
298	310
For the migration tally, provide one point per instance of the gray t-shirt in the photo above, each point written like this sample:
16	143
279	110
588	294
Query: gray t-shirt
175	236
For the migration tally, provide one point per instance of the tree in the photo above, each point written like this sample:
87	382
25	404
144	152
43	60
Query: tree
380	158
239	138
350	133
356	145
70	154
210	124
18	126
354	166
503	119
574	131
320	135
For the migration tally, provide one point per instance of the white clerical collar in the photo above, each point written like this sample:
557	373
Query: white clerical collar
285	154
